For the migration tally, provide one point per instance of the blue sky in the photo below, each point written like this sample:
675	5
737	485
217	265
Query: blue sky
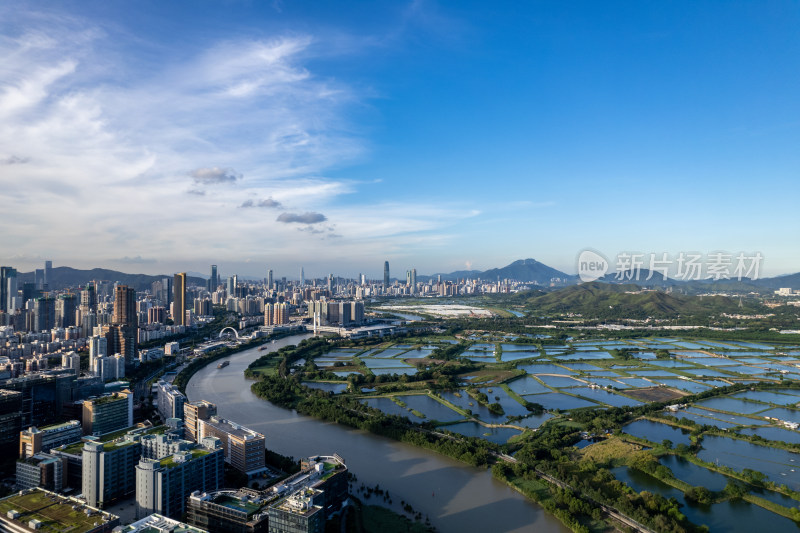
163	136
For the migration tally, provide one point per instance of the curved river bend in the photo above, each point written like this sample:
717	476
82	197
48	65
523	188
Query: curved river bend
455	496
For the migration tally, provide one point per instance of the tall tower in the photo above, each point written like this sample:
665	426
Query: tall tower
125	323
213	281
413	281
302	277
179	299
48	274
6	275
386	273
269	279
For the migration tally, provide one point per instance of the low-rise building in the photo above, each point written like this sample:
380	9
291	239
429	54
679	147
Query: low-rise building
34	440
30	510
299	503
239	511
40	470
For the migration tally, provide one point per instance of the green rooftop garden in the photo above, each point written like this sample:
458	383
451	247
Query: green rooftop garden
108	399
107	439
169	462
240	505
54	515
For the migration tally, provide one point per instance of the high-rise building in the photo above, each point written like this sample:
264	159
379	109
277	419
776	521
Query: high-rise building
98	345
44	313
125	323
109	463
170	400
43	396
163	485
38	277
11	404
386	274
88	299
302	277
413	281
108	413
8	276
48	274
243	447
213	281
193	414
66	305
270	281
108	367
179	299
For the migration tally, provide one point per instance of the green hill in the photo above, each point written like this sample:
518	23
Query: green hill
602	300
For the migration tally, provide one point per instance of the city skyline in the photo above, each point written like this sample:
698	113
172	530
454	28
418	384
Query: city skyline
435	136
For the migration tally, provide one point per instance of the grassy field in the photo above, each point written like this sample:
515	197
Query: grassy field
609	451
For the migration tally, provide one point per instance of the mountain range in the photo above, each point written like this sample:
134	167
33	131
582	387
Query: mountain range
64	277
524	270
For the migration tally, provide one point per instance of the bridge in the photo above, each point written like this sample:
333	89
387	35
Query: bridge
223	333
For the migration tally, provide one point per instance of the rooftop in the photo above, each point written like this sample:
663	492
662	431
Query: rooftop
55	513
109	398
108	439
232	428
240	504
169	462
155	523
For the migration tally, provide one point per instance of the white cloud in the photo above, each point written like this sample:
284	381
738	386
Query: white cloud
107	155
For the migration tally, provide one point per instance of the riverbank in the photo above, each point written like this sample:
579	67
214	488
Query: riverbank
455	496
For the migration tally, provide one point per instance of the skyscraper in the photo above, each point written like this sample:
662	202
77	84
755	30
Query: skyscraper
65	310
413	281
213	280
269	279
44	313
8	276
179	299
386	273
125	323
302	277
48	273
88	299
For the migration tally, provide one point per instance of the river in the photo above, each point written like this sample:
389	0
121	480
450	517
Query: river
455	496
